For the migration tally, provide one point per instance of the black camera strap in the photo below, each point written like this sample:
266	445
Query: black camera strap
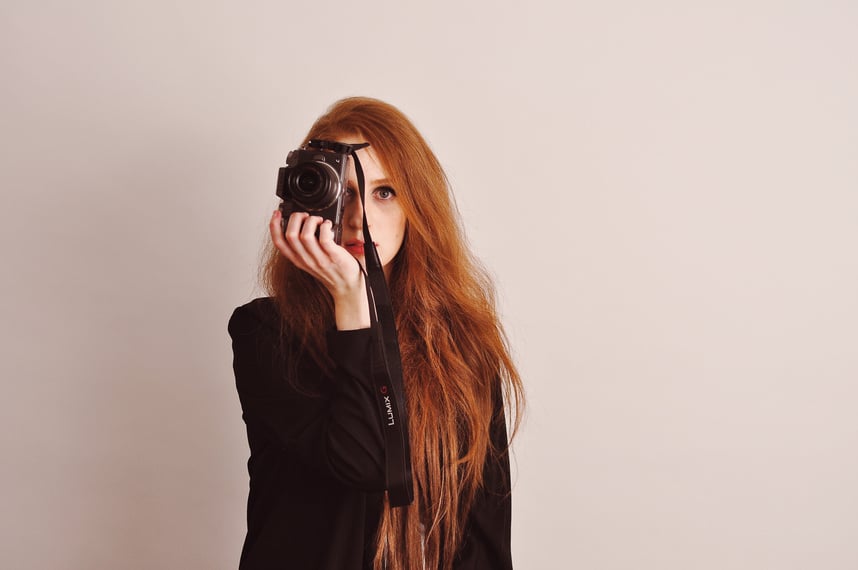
386	365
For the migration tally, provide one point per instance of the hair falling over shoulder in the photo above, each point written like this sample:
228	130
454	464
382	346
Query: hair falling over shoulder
456	361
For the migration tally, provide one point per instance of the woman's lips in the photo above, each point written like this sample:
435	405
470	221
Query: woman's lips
355	247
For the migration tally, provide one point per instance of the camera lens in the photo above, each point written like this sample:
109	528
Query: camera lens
314	185
308	182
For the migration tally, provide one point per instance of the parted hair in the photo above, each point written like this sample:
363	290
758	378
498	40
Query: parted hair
457	367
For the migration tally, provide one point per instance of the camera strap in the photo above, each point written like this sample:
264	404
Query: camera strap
386	364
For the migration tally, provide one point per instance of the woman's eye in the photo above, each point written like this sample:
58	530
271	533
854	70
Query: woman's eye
385	193
349	193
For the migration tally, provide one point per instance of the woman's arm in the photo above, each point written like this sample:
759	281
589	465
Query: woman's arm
338	433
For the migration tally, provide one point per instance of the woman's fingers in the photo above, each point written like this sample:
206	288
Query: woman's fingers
284	236
326	239
275	227
320	256
301	240
314	256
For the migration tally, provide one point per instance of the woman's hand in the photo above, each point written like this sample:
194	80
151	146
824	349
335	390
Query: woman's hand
332	265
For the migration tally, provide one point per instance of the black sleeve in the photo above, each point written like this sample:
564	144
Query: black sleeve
486	542
337	432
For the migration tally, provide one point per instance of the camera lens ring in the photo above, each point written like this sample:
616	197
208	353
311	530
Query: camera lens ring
314	185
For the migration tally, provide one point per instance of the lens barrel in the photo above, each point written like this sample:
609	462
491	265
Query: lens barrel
313	184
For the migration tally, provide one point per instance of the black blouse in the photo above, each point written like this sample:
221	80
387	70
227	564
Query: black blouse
317	457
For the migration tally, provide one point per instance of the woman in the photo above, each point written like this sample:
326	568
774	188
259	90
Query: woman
316	463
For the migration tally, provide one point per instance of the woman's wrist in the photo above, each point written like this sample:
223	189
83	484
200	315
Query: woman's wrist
351	308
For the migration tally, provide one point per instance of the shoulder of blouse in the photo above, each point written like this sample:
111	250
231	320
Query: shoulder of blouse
248	318
258	323
261	316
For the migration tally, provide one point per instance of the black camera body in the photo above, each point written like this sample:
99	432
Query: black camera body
314	180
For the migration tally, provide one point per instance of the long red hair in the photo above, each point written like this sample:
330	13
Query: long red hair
455	357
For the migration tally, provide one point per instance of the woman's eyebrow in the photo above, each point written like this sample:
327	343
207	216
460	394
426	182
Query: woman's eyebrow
370	183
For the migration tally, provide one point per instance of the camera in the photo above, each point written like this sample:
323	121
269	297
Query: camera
314	180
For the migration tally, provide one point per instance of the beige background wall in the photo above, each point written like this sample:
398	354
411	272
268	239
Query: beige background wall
666	191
